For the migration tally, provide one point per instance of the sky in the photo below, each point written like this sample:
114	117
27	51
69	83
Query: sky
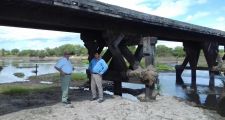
208	13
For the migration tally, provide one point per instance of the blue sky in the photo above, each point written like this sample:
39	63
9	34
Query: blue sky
208	13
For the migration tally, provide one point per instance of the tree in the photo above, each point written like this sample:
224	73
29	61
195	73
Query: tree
15	51
3	52
50	52
66	48
24	53
42	54
162	50
178	52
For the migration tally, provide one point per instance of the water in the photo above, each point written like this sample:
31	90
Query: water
168	87
167	80
44	67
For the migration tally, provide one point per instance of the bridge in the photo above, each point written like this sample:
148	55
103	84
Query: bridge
103	25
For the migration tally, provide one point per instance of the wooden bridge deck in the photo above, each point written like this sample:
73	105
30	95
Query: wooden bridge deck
91	15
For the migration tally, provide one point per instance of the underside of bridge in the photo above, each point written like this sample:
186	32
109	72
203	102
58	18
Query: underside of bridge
103	25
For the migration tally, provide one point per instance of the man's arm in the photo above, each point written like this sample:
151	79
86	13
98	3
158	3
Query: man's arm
105	67
60	70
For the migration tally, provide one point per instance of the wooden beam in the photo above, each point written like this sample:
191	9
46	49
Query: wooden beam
139	52
134	63
179	71
107	56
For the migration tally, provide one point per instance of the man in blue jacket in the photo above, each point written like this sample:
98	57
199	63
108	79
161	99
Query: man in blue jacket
97	68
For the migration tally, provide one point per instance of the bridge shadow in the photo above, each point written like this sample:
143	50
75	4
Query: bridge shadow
203	96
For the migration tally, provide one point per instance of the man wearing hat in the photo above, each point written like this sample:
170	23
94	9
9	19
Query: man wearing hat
65	68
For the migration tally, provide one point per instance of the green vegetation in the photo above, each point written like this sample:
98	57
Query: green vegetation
178	52
56	76
162	50
58	51
79	76
84	61
22	89
164	67
161	67
20	75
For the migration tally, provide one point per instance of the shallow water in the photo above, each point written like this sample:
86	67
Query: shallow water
168	87
167	80
11	67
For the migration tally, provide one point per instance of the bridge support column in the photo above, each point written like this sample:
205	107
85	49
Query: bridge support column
192	50
118	63
211	50
149	54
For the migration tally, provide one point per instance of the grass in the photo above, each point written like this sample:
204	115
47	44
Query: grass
20	75
79	76
84	61
56	77
164	67
22	89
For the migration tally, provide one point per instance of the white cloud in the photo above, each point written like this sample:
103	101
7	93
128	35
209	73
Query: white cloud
197	15
13	33
164	8
23	38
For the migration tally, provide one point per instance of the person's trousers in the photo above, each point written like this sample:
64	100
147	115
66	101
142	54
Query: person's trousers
65	82
96	80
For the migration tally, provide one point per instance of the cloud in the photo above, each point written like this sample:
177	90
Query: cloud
197	15
23	38
164	8
13	33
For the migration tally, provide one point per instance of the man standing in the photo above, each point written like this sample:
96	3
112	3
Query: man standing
97	68
65	68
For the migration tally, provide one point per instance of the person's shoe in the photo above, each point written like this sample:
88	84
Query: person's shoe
100	100
93	99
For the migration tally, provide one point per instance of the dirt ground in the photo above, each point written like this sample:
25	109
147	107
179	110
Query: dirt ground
46	106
